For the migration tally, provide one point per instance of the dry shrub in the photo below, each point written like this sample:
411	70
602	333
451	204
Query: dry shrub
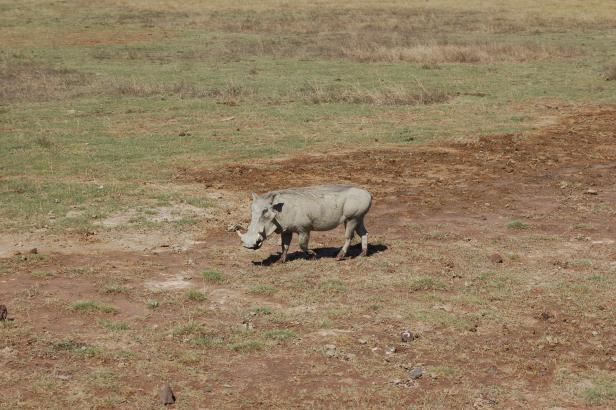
386	96
25	80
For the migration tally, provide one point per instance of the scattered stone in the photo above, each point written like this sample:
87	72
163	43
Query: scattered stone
34	251
3	313
496	258
473	327
64	377
397	382
349	357
167	396
591	191
595	333
390	350
416	373
407	336
362	341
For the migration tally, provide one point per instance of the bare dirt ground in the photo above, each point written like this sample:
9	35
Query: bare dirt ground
535	330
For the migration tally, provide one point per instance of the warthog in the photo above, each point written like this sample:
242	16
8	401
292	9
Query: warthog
302	210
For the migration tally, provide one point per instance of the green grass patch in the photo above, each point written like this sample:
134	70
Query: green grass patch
113	325
212	276
280	334
334	286
516	224
92	306
247	346
426	283
263	290
196	295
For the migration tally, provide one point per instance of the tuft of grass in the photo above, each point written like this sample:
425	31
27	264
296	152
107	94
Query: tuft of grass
115	288
426	283
280	334
92	306
42	274
77	348
196	295
334	286
602	392
113	325
517	224
153	304
212	276
263	290
246	346
261	310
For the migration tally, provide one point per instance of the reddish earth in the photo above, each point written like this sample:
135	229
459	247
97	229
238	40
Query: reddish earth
513	334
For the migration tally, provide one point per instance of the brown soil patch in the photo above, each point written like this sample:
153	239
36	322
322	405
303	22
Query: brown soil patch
534	330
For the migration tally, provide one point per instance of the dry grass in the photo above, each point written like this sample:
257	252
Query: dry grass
317	94
610	73
25	80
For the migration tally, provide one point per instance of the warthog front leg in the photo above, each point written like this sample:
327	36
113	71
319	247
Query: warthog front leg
304	238
350	227
285	242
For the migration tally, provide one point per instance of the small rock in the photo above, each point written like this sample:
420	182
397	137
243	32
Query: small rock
167	396
390	350
496	258
64	377
407	336
362	341
416	373
34	251
591	191
595	333
3	313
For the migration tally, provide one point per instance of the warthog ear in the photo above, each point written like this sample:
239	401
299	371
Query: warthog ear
277	207
254	196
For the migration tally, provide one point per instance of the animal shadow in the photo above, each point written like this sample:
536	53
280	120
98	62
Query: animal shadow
325	252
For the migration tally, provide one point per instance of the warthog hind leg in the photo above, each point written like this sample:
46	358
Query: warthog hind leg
349	232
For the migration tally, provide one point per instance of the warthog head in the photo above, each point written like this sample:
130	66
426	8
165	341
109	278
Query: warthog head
262	222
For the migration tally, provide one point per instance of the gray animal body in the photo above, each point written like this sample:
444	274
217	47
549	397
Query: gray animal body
302	210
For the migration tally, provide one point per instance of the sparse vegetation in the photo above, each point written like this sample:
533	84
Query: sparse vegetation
516	224
212	276
196	295
92	306
132	134
263	290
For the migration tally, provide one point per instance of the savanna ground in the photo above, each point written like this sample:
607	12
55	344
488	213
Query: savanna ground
132	133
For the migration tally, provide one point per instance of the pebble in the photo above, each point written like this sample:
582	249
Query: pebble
166	395
362	341
34	251
390	350
496	258
416	373
591	191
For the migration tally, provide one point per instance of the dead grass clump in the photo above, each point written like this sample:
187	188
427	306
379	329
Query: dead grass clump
26	80
610	73
432	54
316	94
231	94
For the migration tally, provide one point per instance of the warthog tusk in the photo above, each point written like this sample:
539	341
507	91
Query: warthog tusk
239	234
